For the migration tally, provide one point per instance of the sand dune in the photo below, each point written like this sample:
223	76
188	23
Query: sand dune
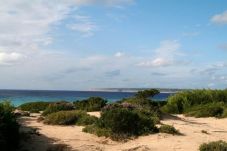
73	136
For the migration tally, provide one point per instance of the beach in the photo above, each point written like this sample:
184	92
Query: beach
194	132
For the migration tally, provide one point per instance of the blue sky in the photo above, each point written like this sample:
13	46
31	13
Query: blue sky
86	44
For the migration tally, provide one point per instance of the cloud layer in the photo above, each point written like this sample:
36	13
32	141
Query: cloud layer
220	18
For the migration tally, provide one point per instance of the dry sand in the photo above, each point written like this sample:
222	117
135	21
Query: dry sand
74	137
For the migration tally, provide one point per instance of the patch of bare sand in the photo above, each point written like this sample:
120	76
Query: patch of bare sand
190	140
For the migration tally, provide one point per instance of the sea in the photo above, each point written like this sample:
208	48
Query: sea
18	97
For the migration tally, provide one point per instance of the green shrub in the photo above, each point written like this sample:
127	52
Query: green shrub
58	106
199	103
90	104
86	120
138	102
69	118
119	123
147	93
214	146
168	129
9	128
207	110
93	129
34	107
224	112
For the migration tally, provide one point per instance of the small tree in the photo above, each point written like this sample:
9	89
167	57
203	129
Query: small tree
147	93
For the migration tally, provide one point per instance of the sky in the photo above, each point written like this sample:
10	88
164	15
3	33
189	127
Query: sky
87	44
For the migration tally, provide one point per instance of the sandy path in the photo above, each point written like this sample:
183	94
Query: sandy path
190	140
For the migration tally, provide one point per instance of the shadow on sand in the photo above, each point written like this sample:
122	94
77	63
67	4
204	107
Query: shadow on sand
32	140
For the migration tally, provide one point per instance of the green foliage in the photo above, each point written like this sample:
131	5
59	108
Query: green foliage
9	128
214	146
138	102
93	129
69	118
224	113
58	106
86	120
207	110
152	112
120	122
199	103
168	129
34	107
147	93
90	104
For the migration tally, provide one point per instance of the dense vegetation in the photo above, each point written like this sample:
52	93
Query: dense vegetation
90	104
58	106
69	118
214	146
119	123
9	128
198	103
34	107
129	117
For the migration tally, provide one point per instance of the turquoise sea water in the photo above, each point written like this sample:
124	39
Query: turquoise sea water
18	97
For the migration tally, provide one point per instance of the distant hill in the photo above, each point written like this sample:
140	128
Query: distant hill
162	90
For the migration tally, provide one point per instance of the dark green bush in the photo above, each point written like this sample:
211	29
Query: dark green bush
34	107
151	112
86	120
122	122
214	146
90	104
9	128
94	129
168	129
69	118
58	106
147	93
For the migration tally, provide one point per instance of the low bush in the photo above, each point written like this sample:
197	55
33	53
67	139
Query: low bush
86	120
168	129
69	118
58	106
93	129
207	110
198	103
9	128
119	123
224	115
142	101
214	146
90	104
34	107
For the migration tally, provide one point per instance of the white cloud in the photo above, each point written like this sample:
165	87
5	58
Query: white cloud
106	2
10	58
220	18
119	54
84	25
165	55
157	62
25	25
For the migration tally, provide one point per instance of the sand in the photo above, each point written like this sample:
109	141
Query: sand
73	136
